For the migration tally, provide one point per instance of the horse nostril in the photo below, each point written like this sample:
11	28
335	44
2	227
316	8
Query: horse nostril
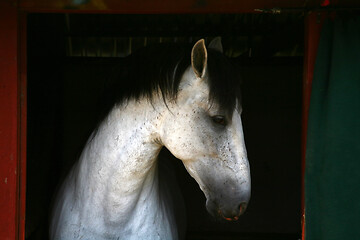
242	207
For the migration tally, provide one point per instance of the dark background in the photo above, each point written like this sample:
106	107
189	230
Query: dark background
71	56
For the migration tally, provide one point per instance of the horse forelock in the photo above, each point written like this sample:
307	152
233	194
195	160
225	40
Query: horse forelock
224	81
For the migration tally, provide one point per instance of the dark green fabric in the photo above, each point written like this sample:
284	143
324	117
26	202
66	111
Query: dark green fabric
332	174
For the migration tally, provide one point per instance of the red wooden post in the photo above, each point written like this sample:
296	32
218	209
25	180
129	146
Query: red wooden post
12	121
9	121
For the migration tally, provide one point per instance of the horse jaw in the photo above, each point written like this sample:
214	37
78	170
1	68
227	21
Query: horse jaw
224	177
218	164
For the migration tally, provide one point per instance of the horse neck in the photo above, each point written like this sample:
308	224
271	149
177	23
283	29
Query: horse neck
118	166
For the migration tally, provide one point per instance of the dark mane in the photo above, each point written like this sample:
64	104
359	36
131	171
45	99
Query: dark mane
161	67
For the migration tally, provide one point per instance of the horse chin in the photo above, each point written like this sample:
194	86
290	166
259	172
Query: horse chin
211	208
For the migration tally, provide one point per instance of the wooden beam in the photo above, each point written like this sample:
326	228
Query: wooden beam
154	6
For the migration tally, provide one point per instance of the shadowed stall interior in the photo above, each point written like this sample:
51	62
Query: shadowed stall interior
71	58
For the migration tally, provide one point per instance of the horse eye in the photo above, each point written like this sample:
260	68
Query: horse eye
219	120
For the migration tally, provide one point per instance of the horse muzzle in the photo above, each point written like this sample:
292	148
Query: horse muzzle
227	203
227	210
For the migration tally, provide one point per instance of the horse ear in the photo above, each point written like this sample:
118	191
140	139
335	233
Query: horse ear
216	44
199	58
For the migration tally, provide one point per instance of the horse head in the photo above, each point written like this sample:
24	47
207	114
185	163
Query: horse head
208	139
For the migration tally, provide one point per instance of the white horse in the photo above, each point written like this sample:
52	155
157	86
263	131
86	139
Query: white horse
114	192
